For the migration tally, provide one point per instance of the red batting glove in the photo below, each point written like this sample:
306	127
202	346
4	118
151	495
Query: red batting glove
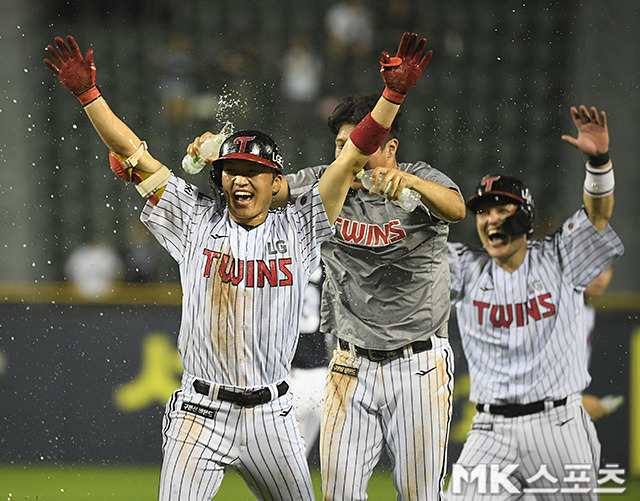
401	72
77	73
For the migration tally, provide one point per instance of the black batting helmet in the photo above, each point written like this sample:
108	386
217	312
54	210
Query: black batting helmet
251	145
506	189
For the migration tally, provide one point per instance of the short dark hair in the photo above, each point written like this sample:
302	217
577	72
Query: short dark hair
354	108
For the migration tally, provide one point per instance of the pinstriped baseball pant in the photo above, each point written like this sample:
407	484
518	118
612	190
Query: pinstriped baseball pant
558	444
262	443
405	403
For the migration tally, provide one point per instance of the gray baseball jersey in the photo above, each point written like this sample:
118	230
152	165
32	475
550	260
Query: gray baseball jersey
387	279
242	289
533	319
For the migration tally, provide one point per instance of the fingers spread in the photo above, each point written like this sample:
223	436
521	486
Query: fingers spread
420	47
584	114
571	140
574	113
404	42
52	66
62	47
412	43
603	118
74	46
426	59
55	54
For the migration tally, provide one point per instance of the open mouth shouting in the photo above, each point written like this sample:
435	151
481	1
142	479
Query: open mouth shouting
496	236
242	198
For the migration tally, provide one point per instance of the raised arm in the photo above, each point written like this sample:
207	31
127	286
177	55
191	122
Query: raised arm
131	161
400	74
593	141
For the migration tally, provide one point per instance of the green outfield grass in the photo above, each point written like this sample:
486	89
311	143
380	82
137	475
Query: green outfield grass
140	483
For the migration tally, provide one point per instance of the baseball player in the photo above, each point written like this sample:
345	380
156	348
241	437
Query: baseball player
520	311
386	300
243	272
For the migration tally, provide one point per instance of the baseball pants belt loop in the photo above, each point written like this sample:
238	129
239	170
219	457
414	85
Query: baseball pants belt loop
213	391
248	398
381	355
517	410
273	391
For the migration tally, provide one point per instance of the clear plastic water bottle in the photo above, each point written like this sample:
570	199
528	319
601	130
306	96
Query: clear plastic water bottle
408	199
209	149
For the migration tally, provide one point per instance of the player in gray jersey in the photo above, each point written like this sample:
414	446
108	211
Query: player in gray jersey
386	299
243	270
520	310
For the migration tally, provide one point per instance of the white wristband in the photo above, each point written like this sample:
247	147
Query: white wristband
599	183
154	182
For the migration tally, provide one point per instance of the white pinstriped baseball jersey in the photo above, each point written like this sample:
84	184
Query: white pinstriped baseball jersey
242	288
523	332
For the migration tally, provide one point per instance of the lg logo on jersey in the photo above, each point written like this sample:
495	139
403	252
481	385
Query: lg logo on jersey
502	315
280	247
255	273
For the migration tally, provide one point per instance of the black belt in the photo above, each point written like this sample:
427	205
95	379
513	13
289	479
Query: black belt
515	410
247	398
380	355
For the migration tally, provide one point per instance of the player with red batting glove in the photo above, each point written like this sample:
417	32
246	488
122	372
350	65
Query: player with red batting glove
391	377
520	310
241	303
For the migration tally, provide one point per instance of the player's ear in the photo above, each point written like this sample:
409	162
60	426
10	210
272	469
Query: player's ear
281	197
391	147
276	185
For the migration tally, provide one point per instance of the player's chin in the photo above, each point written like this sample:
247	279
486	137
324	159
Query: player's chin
248	211
245	210
243	216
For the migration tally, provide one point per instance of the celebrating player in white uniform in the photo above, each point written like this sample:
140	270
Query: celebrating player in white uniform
243	271
520	311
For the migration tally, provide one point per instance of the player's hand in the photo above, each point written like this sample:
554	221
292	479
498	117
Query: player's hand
593	135
401	72
76	72
390	182
594	407
194	148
